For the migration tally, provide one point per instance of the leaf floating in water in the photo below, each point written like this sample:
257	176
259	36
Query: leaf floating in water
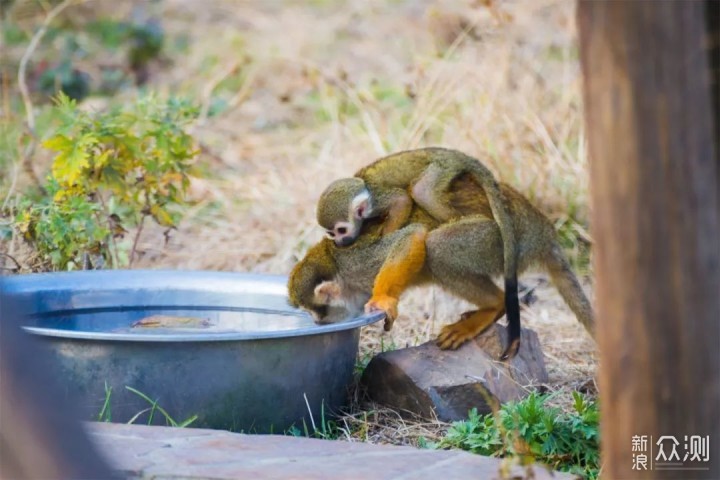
171	321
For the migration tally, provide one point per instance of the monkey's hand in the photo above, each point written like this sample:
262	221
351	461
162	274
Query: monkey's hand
385	304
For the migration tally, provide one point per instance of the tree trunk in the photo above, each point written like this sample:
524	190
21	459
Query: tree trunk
654	185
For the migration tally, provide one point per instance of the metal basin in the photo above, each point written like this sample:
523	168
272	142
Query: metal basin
261	366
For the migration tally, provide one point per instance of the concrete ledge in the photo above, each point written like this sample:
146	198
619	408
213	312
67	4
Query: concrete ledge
164	453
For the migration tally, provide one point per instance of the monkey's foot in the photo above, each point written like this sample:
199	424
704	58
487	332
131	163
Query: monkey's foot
470	325
385	304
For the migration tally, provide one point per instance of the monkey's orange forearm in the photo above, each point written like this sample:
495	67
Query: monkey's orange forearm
399	270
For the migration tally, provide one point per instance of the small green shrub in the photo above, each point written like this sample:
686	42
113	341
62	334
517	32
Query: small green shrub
111	171
567	442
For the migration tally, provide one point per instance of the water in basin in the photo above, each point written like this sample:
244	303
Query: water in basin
164	321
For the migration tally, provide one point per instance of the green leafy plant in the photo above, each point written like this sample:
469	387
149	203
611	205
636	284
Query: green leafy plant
112	170
529	428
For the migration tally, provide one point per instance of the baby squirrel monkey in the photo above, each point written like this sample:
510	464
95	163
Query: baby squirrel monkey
461	256
389	187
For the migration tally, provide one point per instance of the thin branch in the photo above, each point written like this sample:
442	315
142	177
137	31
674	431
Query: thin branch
15	174
22	71
211	86
17	268
137	238
111	227
25	92
11	189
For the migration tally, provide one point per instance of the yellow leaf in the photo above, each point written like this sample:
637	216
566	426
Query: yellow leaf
59	195
72	158
161	216
59	143
66	192
171	177
102	159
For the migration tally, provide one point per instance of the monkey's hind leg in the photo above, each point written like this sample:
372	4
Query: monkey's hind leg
471	324
462	256
430	191
399	207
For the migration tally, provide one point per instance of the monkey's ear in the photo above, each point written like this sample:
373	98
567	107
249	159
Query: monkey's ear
327	293
361	206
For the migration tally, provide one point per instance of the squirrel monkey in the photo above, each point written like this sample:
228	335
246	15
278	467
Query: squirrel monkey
332	282
461	256
390	186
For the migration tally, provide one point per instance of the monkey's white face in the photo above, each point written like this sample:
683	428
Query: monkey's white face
344	233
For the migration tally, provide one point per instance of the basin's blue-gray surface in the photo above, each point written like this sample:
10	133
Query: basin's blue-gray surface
258	368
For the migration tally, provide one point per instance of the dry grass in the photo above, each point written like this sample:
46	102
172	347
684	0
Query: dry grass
375	424
315	90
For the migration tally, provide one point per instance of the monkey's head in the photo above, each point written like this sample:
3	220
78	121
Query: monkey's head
342	208
333	303
314	286
330	303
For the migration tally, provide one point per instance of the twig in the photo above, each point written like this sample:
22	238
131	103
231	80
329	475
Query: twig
114	248
312	420
211	86
25	92
137	238
245	90
22	71
18	267
11	189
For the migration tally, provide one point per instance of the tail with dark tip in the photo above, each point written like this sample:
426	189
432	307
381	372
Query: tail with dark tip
512	307
500	212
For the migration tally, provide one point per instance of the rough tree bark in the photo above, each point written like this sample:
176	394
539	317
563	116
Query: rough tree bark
654	186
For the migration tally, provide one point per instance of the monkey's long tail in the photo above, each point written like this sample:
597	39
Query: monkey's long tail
500	211
569	287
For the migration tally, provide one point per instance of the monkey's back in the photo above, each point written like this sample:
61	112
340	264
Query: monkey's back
397	170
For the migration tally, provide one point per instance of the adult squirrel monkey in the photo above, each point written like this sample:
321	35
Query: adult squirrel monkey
389	187
461	256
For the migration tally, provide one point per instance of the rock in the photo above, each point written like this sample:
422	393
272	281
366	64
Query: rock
428	381
166	453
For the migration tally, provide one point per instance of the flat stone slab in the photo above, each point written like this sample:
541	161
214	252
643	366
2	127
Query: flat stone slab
164	453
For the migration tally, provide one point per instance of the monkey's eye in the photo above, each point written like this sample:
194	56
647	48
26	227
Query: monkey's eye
342	230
